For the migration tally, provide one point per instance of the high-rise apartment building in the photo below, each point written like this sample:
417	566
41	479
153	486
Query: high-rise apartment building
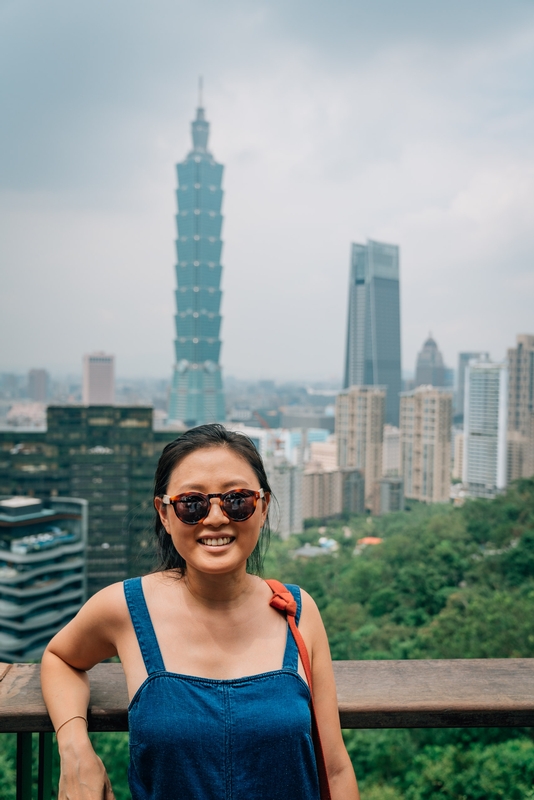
197	393
391	451
521	408
360	414
98	384
38	385
329	492
485	423
106	455
425	424
430	367
373	354
322	493
42	571
323	455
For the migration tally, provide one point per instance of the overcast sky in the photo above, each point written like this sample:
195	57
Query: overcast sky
410	123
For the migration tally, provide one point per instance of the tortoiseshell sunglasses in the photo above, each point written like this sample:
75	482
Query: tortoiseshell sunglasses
192	507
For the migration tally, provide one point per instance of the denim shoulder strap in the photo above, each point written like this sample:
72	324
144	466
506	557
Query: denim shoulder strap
148	644
291	655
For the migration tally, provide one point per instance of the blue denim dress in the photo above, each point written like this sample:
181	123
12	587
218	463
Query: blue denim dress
204	739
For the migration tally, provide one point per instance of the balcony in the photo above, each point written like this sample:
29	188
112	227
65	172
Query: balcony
371	694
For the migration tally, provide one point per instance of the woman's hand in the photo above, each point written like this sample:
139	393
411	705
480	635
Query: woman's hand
83	642
83	775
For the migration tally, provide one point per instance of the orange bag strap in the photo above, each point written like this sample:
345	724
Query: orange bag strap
284	602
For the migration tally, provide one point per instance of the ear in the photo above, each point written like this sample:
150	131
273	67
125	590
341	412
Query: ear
162	508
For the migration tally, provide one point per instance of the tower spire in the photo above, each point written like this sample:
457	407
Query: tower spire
200	127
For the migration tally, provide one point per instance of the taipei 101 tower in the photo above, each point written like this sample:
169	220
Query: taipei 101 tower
197	393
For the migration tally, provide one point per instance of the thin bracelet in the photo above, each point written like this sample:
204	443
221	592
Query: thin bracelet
76	716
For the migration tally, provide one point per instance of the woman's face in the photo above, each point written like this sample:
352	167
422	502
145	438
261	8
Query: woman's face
216	544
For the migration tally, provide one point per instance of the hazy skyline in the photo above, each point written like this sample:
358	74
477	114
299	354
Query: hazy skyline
411	124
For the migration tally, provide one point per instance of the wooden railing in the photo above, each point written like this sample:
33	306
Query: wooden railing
371	694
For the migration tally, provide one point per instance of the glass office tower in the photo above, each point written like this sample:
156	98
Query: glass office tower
197	394
373	356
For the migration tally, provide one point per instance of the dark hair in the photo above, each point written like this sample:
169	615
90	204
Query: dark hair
203	436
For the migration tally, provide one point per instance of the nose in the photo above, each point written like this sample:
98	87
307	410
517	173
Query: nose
216	516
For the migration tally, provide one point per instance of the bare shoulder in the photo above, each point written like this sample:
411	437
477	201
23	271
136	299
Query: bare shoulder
310	612
311	625
108	606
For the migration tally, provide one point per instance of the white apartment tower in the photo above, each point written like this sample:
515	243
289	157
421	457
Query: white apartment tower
485	424
425	423
360	412
98	388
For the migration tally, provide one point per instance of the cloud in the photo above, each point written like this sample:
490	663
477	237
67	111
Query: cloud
408	123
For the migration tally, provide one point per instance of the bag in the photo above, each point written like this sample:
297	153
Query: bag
284	601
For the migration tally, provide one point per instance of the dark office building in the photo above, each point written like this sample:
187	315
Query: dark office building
106	455
373	356
197	393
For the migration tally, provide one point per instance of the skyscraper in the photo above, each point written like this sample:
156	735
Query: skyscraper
197	394
98	387
430	367
485	423
373	355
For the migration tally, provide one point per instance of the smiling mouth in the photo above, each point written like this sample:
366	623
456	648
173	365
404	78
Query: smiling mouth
218	541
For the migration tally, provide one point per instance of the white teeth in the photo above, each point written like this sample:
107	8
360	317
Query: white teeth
216	542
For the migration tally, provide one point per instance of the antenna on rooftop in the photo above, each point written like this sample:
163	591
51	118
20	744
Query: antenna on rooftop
200	87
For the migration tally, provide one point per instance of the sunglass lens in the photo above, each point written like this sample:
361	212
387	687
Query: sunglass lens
191	508
239	505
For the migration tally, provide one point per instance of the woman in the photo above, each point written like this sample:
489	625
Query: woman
219	705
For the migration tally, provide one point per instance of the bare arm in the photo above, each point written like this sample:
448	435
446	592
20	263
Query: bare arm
86	640
341	776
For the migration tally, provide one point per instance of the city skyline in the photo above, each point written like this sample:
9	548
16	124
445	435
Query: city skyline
421	136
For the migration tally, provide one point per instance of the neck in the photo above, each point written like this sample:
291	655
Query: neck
226	590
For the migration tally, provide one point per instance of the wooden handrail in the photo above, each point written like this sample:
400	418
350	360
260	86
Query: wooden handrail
371	694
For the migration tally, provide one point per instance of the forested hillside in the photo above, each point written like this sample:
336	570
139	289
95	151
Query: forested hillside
444	583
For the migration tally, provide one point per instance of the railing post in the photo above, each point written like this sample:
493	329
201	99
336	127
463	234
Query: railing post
44	783
24	766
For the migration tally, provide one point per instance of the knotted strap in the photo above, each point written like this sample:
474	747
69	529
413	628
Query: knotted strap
284	602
